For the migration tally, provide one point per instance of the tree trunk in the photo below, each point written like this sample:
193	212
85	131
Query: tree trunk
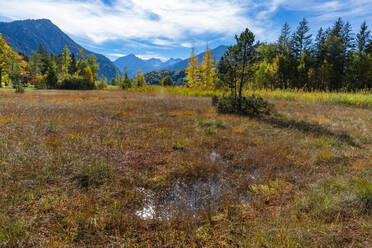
242	78
0	79
235	88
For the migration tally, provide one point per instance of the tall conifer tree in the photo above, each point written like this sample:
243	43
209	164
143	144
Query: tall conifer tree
66	60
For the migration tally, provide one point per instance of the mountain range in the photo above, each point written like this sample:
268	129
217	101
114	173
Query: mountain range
133	63
27	35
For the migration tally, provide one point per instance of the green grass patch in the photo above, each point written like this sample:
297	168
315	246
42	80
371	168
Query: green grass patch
364	193
358	99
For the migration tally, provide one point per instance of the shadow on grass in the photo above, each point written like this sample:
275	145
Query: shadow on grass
311	128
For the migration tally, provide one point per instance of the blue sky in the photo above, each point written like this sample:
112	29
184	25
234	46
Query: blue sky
168	28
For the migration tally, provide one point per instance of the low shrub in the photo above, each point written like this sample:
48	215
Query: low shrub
215	100
102	85
76	83
39	82
19	89
167	81
126	84
251	105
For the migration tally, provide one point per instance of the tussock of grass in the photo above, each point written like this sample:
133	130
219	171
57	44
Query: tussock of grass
13	232
211	123
93	175
364	193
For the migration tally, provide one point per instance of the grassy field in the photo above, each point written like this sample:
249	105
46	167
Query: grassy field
131	169
358	99
8	88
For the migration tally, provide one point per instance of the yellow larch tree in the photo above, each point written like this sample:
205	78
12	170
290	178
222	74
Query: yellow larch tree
193	71
208	71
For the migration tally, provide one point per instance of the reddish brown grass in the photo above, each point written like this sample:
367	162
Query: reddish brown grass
73	166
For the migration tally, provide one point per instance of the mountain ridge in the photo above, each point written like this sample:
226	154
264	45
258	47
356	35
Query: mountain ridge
133	63
217	52
26	36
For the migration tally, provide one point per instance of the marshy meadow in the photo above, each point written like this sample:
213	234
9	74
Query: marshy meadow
152	168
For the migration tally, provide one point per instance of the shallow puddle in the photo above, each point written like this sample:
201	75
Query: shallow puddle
202	196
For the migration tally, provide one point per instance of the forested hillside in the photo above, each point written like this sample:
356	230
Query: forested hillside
155	77
26	36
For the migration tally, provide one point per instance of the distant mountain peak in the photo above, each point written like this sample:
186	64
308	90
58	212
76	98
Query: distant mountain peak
133	63
173	59
217	52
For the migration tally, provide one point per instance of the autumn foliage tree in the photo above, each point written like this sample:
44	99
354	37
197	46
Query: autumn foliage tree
193	71
139	80
4	58
208	71
64	71
201	76
12	65
66	61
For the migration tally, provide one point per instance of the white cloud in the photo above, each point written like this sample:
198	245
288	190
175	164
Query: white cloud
194	44
269	7
167	23
187	44
145	19
145	56
162	42
116	55
152	56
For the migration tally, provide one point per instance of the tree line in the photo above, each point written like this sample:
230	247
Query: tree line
45	71
165	77
335	59
64	71
125	82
